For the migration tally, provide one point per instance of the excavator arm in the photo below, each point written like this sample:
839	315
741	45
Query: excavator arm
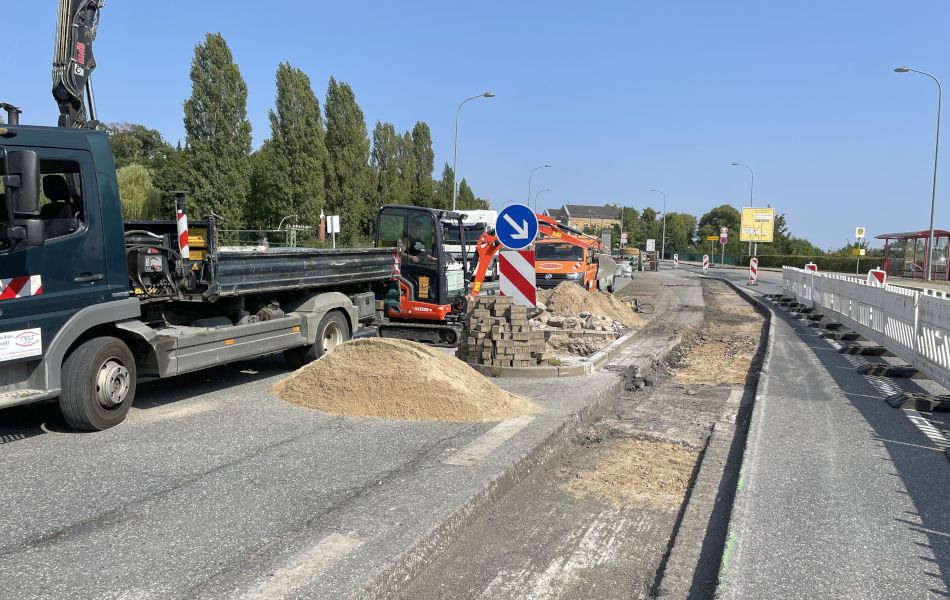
73	62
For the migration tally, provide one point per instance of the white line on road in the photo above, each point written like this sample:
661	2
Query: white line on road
304	567
489	441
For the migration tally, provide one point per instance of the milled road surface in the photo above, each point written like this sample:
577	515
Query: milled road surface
598	522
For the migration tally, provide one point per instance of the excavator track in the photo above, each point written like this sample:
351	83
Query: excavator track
439	335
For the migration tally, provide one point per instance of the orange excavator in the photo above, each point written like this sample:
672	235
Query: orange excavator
427	297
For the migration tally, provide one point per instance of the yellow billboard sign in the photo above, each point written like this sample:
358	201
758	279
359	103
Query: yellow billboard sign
758	225
712	238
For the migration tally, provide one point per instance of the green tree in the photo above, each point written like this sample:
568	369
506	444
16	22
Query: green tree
296	179
680	231
442	196
388	160
466	199
723	215
169	175
136	144
348	171
423	165
140	199
218	134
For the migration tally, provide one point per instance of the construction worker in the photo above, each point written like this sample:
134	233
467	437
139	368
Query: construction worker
417	246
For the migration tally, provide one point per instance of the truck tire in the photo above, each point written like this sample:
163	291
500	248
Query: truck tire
98	384
332	331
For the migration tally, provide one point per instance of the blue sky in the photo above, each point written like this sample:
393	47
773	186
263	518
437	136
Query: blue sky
620	97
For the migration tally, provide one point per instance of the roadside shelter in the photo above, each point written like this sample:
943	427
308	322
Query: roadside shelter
905	254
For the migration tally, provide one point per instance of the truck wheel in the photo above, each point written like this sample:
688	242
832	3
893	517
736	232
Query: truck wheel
332	331
98	384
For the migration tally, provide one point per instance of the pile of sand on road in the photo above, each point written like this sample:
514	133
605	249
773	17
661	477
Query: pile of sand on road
398	379
569	299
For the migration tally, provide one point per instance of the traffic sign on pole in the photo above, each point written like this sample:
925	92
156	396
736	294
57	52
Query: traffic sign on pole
705	263
518	276
753	271
516	227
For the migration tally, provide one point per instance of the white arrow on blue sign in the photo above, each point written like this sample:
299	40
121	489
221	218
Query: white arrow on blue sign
516	227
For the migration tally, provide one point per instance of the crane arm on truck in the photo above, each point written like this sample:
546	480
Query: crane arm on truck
73	62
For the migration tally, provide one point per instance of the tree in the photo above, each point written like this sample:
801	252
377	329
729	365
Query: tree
442	196
348	171
136	144
297	177
218	134
270	195
680	231
169	175
423	165
140	199
388	159
466	199
724	215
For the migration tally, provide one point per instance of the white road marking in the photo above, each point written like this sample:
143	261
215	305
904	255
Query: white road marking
304	567
483	445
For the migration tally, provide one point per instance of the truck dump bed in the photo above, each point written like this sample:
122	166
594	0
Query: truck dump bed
222	271
238	271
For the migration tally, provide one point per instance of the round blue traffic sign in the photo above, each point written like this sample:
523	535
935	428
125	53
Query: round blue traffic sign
516	227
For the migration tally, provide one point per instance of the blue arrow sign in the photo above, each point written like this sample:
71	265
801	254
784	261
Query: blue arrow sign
516	227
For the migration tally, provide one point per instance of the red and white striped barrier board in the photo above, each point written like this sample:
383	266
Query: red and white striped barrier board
753	270
811	267
21	287
676	261
705	263
183	235
877	277
518	277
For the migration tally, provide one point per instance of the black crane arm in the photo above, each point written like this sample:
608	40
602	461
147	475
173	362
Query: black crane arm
73	62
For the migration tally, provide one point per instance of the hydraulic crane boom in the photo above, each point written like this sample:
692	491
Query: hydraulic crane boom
73	62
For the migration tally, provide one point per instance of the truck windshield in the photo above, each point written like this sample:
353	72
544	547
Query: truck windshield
558	252
472	233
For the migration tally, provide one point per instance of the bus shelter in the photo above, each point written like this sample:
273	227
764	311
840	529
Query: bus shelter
905	254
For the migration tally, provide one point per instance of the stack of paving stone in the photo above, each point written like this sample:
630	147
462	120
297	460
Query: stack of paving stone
497	334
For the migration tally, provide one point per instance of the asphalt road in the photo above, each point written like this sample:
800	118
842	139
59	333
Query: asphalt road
842	495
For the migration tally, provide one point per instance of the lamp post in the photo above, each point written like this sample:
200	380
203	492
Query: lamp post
530	175
536	197
933	190
662	241
455	158
751	191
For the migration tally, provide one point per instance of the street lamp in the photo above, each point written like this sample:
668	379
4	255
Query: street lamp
455	159
536	197
530	175
663	241
751	190
933	191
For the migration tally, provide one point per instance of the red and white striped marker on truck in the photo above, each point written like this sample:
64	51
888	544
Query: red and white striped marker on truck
676	261
705	263
753	271
21	287
518	277
182	226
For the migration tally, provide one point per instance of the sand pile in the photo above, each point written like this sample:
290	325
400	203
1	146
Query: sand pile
398	379
570	299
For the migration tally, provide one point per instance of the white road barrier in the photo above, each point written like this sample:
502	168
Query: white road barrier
913	324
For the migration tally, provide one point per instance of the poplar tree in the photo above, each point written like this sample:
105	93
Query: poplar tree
423	165
348	171
385	162
297	145
218	134
442	195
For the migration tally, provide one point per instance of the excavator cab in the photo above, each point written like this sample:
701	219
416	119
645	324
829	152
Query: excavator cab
430	288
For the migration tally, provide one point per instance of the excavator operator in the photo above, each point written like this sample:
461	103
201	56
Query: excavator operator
418	244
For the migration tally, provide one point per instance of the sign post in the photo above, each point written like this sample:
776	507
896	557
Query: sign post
333	227
705	263
757	225
859	234
517	228
676	260
651	245
723	240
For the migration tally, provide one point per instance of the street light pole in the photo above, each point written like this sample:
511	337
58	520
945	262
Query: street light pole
663	241
933	190
536	197
751	190
455	158
530	175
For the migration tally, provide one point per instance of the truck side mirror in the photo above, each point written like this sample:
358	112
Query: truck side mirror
23	182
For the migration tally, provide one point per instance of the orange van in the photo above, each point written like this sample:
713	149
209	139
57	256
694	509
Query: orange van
558	260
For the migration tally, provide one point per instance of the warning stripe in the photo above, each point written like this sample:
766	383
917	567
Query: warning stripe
518	276
21	287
